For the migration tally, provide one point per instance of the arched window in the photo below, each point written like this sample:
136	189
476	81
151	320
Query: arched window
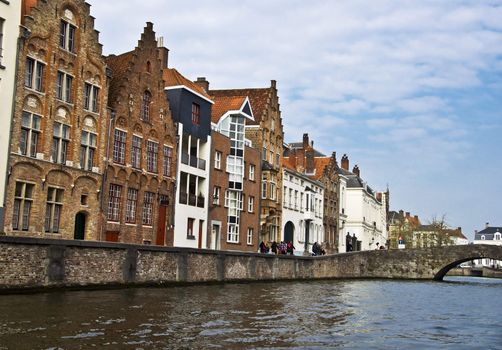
483	237
148	67
145	106
497	236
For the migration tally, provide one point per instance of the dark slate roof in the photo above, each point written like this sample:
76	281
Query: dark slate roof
488	232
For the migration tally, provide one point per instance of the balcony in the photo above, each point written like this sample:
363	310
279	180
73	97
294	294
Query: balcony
193	161
309	215
192	200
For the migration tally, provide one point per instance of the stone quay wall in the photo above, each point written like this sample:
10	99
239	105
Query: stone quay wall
37	264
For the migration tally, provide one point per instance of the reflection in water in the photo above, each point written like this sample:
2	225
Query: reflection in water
312	315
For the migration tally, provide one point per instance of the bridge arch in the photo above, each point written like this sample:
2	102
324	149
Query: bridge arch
459	254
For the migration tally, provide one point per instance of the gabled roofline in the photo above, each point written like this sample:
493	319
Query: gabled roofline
189	90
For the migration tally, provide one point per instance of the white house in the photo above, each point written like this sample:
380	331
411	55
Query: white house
365	212
489	235
10	20
191	111
302	210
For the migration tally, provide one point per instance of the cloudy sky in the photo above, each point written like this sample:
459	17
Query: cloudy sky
410	90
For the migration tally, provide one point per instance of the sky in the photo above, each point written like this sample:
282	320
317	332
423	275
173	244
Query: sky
411	91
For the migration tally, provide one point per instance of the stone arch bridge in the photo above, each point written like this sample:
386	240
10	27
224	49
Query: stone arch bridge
35	263
425	263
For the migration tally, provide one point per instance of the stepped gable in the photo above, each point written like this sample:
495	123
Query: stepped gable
119	66
223	104
259	98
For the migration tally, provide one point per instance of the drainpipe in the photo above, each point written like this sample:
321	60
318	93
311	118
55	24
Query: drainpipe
105	172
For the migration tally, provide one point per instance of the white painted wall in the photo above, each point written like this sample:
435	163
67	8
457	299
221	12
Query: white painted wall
10	13
183	212
296	212
365	218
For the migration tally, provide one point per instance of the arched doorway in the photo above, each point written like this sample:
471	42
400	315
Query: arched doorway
289	232
79	232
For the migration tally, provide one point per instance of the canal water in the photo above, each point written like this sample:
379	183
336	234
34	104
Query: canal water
462	313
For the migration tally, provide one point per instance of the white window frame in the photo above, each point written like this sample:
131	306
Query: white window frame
251	172
31	129
216	195
91	97
250	236
53	210
64	89
60	142
88	146
67	36
251	204
36	79
217	160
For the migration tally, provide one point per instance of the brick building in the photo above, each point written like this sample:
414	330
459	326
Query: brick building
266	134
234	177
141	166
58	138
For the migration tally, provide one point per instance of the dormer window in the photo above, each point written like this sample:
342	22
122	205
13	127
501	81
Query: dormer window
497	236
67	36
195	114
483	237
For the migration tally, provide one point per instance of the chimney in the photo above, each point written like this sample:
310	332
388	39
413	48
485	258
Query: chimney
273	83
487	225
401	213
203	83
356	171
305	141
163	52
459	228
416	217
345	162
475	232
333	157
407	214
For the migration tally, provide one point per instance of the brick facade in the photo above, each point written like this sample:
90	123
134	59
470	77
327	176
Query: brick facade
142	211
59	128
267	136
251	188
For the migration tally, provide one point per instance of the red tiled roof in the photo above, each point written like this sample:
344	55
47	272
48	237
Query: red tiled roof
259	99
319	164
286	163
223	104
174	78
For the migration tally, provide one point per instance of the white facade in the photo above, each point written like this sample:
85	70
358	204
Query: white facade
192	191
366	218
492	238
10	19
302	211
342	214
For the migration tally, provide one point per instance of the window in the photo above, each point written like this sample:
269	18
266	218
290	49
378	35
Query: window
151	156
23	199
264	154
217	160
277	159
216	195
136	150
114	202
53	209
251	204
233	233
119	146
272	187
250	236
190	228
131	204
147	208
91	97
34	72
60	141
168	158
30	130
87	150
227	198
67	36
145	106
63	87
264	186
251	172
195	114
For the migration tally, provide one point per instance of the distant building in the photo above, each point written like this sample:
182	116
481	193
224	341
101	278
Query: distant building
302	210
436	235
59	131
10	20
401	226
191	112
141	163
266	134
366	211
234	215
489	235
